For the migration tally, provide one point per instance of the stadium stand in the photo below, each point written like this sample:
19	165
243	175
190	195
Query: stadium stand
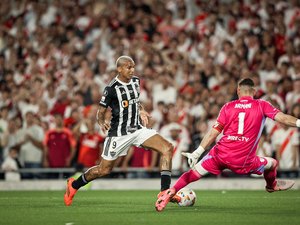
57	56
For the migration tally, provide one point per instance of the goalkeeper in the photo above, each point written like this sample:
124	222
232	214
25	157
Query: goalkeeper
241	122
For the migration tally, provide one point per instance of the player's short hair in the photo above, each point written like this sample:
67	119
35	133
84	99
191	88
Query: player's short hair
246	82
122	60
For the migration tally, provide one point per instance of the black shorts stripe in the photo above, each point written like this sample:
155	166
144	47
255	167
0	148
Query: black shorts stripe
107	146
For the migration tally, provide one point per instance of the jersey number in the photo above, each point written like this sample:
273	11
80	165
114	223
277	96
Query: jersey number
241	122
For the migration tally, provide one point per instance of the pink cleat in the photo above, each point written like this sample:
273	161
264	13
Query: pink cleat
70	192
175	199
163	198
281	185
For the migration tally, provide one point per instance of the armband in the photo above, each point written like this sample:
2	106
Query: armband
219	127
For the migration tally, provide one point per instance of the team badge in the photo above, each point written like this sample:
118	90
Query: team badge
105	93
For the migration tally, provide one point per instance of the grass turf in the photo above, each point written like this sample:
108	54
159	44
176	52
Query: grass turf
137	207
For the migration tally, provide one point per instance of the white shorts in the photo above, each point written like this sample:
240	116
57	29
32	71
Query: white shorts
119	146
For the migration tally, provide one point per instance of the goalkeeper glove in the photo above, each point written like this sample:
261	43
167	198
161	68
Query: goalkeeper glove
194	156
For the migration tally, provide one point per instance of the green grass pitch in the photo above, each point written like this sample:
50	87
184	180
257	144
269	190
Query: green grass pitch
137	207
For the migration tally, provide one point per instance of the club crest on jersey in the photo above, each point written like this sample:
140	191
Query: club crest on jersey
105	93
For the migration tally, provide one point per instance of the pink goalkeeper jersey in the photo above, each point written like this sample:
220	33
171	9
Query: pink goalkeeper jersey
242	121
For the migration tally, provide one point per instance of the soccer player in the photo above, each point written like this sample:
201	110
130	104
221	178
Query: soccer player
126	129
242	122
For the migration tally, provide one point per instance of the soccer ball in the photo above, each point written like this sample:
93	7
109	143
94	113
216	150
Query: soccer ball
187	197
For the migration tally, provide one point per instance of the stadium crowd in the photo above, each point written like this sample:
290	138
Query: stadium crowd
56	57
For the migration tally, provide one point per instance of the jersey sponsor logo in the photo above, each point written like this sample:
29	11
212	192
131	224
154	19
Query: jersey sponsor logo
243	106
126	103
238	138
112	154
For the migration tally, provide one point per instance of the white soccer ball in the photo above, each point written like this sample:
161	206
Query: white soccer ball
187	197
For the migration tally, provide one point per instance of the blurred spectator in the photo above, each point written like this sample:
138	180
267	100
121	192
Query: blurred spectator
3	119
12	137
164	91
157	116
47	120
62	101
167	28
295	110
31	147
177	135
63	54
286	141
59	145
90	143
271	94
264	148
201	128
11	166
293	96
49	96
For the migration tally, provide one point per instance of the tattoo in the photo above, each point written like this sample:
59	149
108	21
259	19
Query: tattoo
101	114
91	174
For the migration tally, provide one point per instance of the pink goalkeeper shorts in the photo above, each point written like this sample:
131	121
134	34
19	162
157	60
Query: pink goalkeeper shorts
213	164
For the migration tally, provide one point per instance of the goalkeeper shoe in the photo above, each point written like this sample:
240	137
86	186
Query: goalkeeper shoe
163	198
70	192
281	185
175	199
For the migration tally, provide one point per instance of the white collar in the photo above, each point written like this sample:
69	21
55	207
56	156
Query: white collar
124	83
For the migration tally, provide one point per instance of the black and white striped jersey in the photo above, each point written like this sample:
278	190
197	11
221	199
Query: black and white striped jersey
123	99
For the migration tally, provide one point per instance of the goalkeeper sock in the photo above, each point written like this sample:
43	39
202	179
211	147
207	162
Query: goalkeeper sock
270	175
165	179
186	178
81	181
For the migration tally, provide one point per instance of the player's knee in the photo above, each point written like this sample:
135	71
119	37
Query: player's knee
274	163
271	163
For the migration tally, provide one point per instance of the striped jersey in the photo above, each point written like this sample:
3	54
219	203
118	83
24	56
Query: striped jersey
123	99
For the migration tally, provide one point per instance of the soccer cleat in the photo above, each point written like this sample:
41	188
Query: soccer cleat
175	199
163	198
281	185
70	192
